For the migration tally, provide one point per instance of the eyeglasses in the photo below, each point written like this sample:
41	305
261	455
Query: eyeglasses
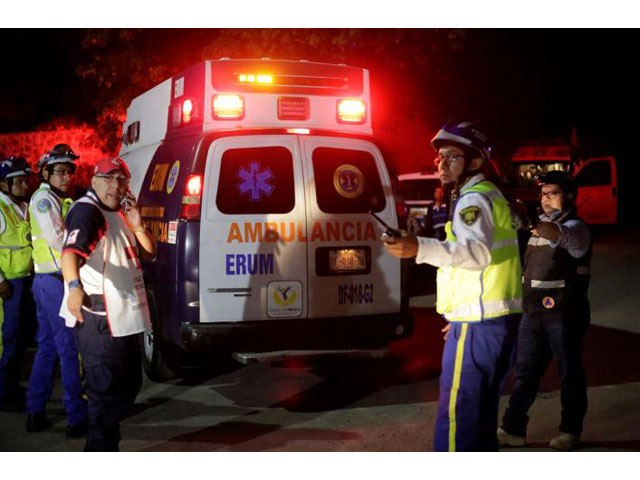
63	173
452	159
119	179
549	195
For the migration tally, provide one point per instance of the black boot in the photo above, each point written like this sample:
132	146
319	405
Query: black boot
36	422
77	430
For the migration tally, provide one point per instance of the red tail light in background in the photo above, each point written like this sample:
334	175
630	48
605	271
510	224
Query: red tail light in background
401	210
192	198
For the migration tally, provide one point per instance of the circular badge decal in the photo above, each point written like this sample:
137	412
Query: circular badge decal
44	205
348	181
548	302
173	176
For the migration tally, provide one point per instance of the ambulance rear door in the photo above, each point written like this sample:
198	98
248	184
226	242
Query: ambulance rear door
252	258
349	272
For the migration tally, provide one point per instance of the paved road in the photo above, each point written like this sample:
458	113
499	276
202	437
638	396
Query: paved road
374	405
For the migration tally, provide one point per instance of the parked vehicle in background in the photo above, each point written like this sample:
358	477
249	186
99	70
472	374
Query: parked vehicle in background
597	180
416	190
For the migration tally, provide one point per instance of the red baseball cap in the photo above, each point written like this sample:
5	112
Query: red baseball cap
108	165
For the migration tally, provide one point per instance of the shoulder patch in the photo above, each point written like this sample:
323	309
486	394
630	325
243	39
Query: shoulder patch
44	205
470	215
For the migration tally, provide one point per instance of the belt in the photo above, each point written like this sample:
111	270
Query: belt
94	303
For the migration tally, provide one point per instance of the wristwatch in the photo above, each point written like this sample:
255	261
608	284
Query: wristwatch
74	284
140	229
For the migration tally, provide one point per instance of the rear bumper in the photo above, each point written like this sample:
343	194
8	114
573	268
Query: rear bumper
371	331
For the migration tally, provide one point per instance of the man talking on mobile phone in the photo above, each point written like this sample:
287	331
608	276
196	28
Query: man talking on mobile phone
105	297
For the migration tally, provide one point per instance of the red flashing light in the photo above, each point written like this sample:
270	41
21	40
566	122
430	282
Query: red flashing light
194	185
187	110
191	201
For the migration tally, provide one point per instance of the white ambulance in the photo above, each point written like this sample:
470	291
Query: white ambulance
256	178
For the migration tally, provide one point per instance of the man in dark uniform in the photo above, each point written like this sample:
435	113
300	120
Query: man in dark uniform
556	314
105	298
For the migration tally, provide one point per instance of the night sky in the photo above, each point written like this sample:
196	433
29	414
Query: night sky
521	84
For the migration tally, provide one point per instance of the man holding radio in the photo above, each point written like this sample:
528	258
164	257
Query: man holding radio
556	313
479	291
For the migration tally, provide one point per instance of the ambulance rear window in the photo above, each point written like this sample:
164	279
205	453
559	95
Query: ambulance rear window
347	181
256	180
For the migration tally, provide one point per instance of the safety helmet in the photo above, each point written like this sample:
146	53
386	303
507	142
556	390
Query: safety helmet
558	177
61	153
14	167
464	134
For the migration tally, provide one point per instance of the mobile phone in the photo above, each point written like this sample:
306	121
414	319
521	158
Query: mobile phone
389	232
126	202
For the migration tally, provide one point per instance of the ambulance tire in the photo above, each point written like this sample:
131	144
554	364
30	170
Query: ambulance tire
160	358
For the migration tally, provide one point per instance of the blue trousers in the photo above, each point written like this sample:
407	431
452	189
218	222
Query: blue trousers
113	376
55	340
540	338
11	313
476	360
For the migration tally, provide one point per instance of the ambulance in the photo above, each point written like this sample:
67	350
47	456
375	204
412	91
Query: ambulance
256	179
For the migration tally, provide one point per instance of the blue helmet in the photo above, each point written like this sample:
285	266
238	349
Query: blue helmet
14	167
464	134
61	153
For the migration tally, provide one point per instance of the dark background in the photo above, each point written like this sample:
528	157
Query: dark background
520	85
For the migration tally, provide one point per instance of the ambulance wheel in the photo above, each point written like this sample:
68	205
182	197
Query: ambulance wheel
161	358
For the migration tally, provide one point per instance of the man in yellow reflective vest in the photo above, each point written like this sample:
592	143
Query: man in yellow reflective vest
479	291
16	268
47	210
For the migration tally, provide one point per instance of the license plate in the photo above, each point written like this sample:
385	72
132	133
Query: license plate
347	259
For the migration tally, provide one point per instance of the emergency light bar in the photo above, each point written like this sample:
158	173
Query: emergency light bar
252	78
218	95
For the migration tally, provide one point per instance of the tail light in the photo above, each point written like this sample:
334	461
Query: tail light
187	111
183	113
351	111
192	199
228	107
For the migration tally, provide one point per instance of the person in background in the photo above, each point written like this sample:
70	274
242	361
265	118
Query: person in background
479	291
16	269
556	315
48	207
438	215
105	298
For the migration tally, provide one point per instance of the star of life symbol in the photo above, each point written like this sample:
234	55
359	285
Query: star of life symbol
255	180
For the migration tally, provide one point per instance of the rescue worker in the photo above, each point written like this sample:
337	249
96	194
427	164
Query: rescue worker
556	315
479	291
47	209
16	268
105	298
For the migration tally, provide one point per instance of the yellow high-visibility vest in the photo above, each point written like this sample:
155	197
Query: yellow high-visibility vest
15	244
46	259
474	295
